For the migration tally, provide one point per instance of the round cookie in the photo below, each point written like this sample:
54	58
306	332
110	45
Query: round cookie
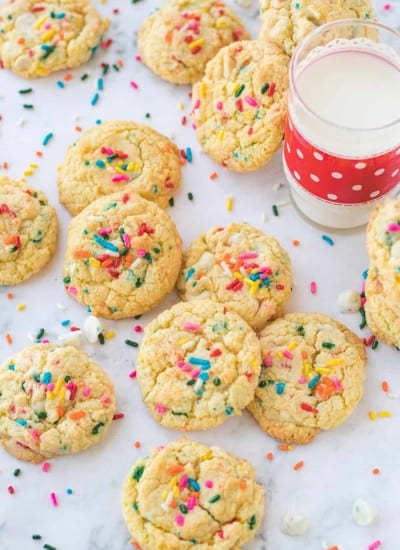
117	155
198	364
187	495
239	107
38	38
242	268
311	379
287	22
177	41
28	231
53	401
123	256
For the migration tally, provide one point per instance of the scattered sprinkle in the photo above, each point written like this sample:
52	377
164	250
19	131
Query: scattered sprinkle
47	138
328	240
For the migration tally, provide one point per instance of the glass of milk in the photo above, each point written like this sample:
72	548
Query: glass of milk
341	152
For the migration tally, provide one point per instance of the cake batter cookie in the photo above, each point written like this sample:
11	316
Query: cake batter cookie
177	41
123	256
117	155
241	267
311	379
53	401
286	22
187	495
28	231
198	364
40	37
239	107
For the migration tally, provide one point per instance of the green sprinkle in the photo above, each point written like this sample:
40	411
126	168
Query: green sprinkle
67	378
156	250
25	91
40	333
375	344
228	411
105	68
36	537
178	413
363	323
137	317
115	67
183	509
252	522
84	76
49	50
275	210
264	88
190	196
328	345
217	381
101	338
137	473
49	547
300	330
17	472
27	106
192	382
171	201
131	343
97	428
147	115
215	498
67	280
262	384
41	415
239	90
39	235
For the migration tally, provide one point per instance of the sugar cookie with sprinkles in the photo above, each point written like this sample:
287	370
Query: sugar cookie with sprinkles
114	156
242	268
239	107
28	231
177	41
311	379
287	22
188	495
123	256
38	38
198	365
53	401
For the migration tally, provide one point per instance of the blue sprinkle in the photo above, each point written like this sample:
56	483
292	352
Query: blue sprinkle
95	99
365	274
100	84
21	422
100	163
65	323
46	378
60	84
190	274
47	138
204	363
254	276
313	382
280	388
105	244
189	156
11	367
328	240
45	47
204	376
98	121
69	491
194	485
228	411
60	15
266	282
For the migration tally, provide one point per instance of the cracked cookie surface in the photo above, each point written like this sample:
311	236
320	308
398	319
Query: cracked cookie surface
287	22
198	364
115	156
239	107
53	401
240	267
38	38
187	495
123	256
28	231
177	41
311	379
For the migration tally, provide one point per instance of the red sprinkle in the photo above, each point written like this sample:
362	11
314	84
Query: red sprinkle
216	353
118	416
307	407
132	374
11	489
271	89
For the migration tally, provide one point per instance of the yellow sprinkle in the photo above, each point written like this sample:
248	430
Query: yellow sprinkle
20	307
235	87
292	345
254	288
323	370
203	89
176	491
164	494
61	395
248	115
183	341
50	395
306	369
207	456
181	106
22	180
28	172
48	35
41	71
173	481
220	23
58	385
372	416
106	22
33	165
119	170
195	43
279	353
229	204
384	414
254	271
254	364
94	262
334	362
133	167
238	275
221	135
40	22
109	335
248	282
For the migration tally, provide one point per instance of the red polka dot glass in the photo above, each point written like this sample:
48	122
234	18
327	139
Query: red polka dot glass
341	152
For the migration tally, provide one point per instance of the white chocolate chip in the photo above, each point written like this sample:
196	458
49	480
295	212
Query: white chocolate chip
349	301
295	524
92	328
395	251
363	512
71	339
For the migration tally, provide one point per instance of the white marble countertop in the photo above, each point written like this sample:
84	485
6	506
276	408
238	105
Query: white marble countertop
337	465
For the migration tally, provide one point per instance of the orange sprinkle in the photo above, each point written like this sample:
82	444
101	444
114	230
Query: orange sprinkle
168	36
285	448
78	128
136	545
21	40
298	466
81	254
10	239
333	548
296	243
270	456
77	415
182	162
175	469
173	504
9	340
304	354
385	386
10	295
60	411
5	165
107	263
376	471
120	63
243	485
68	77
128	260
213	176
39	153
137	444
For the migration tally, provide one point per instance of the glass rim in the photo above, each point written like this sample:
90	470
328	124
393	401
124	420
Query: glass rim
307	39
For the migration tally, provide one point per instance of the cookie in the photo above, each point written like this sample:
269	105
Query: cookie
53	401
28	231
239	107
38	38
198	364
311	379
177	41
123	256
286	22
241	267
115	156
187	495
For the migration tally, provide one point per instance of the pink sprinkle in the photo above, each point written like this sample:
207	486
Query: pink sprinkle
266	270
35	434
375	545
268	361
208	483
86	391
70	385
119	178
72	290
137	328
386	7
105	231
107	151
196	104
141	253
53	499
338	385
191	503
51	386
287	354
196	373
45	467
183	481
219	105
134	85
313	287
192	326
394	227
220	533
251	101
302	380
45	341
127	240
179	520
138	58
363	301
248	255
132	374
160	408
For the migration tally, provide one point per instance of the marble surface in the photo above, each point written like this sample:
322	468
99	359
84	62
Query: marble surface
337	466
